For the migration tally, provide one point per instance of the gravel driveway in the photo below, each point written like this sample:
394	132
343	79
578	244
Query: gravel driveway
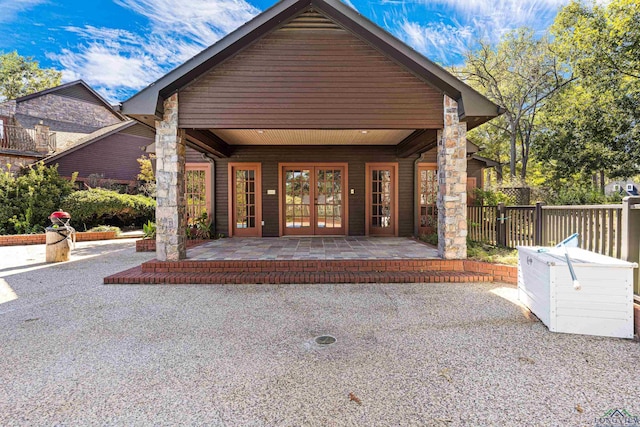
76	352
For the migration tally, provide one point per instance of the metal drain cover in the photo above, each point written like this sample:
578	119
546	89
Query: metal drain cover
325	340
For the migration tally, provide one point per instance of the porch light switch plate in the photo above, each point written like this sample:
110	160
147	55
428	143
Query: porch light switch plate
353	191
271	192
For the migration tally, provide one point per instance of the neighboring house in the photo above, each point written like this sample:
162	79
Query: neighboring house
319	123
627	188
44	122
111	154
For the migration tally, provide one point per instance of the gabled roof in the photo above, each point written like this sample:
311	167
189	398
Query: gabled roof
77	89
91	138
472	107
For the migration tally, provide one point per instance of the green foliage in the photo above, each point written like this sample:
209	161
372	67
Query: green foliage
493	254
29	197
431	238
492	197
100	228
149	230
578	195
593	125
146	176
519	74
200	228
98	206
20	76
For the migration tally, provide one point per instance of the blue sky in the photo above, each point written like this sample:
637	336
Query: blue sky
120	46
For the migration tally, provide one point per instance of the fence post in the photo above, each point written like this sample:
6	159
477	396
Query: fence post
630	245
537	218
501	225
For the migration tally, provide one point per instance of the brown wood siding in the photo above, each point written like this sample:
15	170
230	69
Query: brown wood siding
356	157
475	170
310	76
113	156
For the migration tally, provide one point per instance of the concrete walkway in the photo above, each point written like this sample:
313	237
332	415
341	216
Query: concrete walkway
76	352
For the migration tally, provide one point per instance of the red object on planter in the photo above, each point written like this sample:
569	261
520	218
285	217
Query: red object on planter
59	218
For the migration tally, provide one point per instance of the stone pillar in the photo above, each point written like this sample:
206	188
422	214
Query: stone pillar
42	138
452	188
171	218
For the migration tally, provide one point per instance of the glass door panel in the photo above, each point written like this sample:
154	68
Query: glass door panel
328	200
381	200
196	194
297	204
313	197
245	199
428	196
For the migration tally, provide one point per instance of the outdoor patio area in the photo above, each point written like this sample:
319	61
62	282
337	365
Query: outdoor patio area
312	248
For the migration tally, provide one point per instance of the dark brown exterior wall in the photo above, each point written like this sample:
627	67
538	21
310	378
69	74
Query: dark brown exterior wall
474	170
356	157
113	156
310	74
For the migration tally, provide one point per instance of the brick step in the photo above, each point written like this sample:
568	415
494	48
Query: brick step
310	266
137	276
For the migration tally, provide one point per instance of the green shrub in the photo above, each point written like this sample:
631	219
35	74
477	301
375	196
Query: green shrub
97	206
492	197
29	197
149	230
577	196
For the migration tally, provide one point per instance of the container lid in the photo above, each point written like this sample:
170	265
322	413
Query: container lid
578	256
60	214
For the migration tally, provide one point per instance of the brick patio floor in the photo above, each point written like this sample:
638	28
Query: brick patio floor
312	248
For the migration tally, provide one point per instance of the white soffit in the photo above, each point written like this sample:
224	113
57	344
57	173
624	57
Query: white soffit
313	136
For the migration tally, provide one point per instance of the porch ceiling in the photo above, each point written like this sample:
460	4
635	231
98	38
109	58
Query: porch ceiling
312	136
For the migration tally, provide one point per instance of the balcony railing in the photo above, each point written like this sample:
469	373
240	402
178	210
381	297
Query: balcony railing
21	139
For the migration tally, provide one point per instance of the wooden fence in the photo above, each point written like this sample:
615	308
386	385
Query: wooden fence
599	226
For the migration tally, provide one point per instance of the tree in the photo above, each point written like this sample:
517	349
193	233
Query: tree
520	75
20	76
592	127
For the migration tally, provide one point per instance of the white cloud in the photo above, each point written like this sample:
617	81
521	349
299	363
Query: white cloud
438	41
11	8
351	5
470	20
117	62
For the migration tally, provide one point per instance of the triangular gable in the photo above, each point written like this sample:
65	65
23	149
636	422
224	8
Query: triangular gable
310	73
147	104
78	90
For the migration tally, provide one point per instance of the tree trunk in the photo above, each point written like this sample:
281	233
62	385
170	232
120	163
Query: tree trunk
512	153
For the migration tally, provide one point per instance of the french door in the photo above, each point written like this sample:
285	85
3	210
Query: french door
427	198
382	199
313	199
197	191
245	199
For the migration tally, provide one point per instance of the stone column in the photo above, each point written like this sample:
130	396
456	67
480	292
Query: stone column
42	138
452	180
171	219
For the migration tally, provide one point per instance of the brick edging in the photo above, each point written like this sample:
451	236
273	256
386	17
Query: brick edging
40	239
500	273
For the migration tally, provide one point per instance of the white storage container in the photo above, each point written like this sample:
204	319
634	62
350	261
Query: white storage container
604	305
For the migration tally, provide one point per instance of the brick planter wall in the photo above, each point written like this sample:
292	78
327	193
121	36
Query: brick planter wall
39	239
